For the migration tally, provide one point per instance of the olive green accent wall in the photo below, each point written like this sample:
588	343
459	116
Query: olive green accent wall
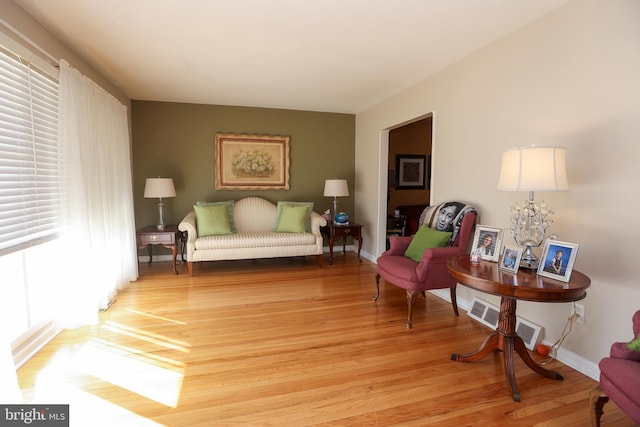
177	140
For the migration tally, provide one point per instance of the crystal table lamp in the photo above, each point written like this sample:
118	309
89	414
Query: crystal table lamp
335	188
159	188
532	169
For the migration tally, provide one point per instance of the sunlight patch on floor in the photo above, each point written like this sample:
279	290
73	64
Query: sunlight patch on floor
155	316
139	334
86	409
125	368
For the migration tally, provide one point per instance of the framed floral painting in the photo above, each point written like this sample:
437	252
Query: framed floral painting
252	162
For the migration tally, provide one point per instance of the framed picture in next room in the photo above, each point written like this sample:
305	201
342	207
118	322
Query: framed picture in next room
412	171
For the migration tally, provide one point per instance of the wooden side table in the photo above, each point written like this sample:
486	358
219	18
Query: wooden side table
524	285
335	231
170	237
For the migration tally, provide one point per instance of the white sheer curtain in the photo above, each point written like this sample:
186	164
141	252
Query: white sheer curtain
100	242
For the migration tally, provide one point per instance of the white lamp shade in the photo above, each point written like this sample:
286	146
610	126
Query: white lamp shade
534	169
159	187
336	188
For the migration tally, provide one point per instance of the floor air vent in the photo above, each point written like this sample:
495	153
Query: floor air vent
487	314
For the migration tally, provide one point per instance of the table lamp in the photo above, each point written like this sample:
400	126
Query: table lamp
159	188
532	169
336	188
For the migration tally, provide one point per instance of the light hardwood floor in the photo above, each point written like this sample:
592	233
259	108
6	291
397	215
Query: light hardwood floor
285	343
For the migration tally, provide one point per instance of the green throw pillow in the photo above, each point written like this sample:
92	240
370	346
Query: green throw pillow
293	217
229	205
212	220
635	344
426	238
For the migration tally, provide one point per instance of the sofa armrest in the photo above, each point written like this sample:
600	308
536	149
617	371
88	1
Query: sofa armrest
619	350
188	224
436	258
439	255
317	221
397	245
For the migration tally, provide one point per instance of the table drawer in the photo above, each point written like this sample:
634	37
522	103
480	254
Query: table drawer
149	239
346	231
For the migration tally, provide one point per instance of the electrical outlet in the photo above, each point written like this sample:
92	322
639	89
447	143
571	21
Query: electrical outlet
579	312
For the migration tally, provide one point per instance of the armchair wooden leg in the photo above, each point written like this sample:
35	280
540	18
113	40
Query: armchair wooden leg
377	287
454	301
597	399
411	299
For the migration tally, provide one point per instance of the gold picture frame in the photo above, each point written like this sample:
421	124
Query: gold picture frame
251	162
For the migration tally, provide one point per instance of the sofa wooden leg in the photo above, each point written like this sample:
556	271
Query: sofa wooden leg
190	267
319	258
597	399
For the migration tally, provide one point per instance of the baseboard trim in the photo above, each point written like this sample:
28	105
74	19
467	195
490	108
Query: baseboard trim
30	342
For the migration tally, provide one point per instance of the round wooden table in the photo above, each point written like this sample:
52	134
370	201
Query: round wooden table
525	285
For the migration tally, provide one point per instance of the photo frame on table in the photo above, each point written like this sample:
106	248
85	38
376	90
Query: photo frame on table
412	171
510	259
251	162
557	259
486	242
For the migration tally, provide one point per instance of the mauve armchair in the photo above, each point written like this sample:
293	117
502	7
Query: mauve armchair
430	273
619	380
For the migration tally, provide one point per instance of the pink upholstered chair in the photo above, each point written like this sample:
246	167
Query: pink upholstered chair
619	380
431	272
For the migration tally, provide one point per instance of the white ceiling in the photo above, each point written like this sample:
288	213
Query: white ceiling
330	55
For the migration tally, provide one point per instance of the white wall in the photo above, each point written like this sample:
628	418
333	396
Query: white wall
15	22
572	78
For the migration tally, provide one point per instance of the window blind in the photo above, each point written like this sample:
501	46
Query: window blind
30	190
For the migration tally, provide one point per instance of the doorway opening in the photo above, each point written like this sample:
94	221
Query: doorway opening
409	163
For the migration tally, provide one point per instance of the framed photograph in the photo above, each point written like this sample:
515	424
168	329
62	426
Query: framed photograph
251	162
486	242
557	259
412	171
510	259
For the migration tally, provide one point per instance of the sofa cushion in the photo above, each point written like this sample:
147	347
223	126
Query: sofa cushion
212	220
426	237
229	205
255	240
293	217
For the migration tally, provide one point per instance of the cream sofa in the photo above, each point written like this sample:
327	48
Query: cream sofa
255	237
